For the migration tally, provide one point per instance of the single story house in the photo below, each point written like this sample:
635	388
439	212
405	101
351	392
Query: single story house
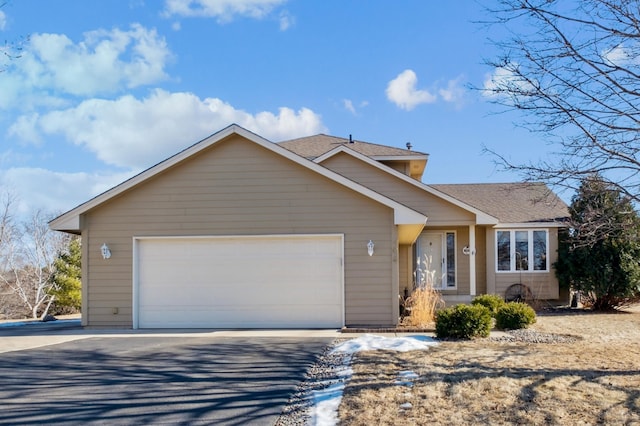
317	232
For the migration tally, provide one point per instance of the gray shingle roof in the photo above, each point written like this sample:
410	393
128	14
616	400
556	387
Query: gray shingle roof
510	202
314	146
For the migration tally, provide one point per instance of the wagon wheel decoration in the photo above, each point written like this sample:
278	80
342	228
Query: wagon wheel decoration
518	293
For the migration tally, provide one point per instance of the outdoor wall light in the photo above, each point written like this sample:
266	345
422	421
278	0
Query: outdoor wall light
370	247
106	253
467	251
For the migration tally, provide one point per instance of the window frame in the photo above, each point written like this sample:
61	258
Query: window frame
513	248
445	249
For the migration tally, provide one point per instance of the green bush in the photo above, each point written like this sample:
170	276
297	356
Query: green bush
491	301
515	315
463	322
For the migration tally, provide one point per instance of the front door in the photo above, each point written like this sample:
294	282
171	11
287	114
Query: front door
430	259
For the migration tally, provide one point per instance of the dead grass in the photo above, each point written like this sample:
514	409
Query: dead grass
422	306
595	380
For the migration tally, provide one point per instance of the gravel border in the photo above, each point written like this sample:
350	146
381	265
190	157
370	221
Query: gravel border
323	373
531	336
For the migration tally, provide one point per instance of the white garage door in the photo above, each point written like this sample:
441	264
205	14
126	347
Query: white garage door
239	282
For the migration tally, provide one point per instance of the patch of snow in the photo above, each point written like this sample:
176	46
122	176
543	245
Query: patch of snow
405	378
37	322
324	411
14	324
370	342
326	401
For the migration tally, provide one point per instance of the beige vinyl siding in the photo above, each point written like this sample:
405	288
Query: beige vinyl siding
439	212
544	285
239	188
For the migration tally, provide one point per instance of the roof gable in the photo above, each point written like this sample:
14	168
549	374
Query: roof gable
70	221
482	217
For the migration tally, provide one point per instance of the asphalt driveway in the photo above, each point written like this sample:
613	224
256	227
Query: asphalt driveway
197	378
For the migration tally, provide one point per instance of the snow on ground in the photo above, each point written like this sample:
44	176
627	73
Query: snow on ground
324	411
406	378
11	323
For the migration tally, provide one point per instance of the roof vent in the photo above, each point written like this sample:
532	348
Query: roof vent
350	139
409	146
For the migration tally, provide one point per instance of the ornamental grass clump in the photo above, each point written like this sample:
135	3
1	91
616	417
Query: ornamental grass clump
425	300
514	316
463	322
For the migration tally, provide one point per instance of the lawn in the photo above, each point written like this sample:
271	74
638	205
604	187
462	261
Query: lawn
592	377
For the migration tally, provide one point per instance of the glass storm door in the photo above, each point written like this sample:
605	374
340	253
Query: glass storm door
430	258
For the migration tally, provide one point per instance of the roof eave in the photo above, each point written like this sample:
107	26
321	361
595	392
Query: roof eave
540	224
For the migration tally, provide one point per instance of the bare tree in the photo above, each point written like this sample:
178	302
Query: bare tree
572	68
27	253
10	50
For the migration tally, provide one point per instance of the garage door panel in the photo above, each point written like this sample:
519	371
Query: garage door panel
240	282
239	317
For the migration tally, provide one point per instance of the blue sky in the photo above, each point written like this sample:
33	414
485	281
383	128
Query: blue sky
106	88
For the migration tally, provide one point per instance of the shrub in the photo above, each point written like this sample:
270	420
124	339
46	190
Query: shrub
515	315
491	301
463	322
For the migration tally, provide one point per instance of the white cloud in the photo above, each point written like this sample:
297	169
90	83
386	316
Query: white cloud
286	20
453	93
403	92
621	56
615	55
348	105
26	128
505	78
353	109
103	62
223	10
136	133
3	20
55	192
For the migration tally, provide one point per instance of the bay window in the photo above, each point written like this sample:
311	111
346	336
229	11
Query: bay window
522	250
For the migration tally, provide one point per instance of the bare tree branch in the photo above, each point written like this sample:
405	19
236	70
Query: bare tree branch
573	70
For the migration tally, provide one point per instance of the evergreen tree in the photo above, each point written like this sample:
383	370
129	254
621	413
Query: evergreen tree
600	253
67	278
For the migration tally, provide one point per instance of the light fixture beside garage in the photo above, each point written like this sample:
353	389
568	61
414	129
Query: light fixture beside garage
370	247
106	252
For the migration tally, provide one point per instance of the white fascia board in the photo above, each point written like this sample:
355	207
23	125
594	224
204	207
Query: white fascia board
73	216
66	223
531	225
400	157
482	218
407	216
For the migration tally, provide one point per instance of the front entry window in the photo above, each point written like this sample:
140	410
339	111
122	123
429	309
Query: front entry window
451	259
436	260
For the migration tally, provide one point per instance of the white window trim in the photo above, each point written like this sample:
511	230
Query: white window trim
512	251
455	263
